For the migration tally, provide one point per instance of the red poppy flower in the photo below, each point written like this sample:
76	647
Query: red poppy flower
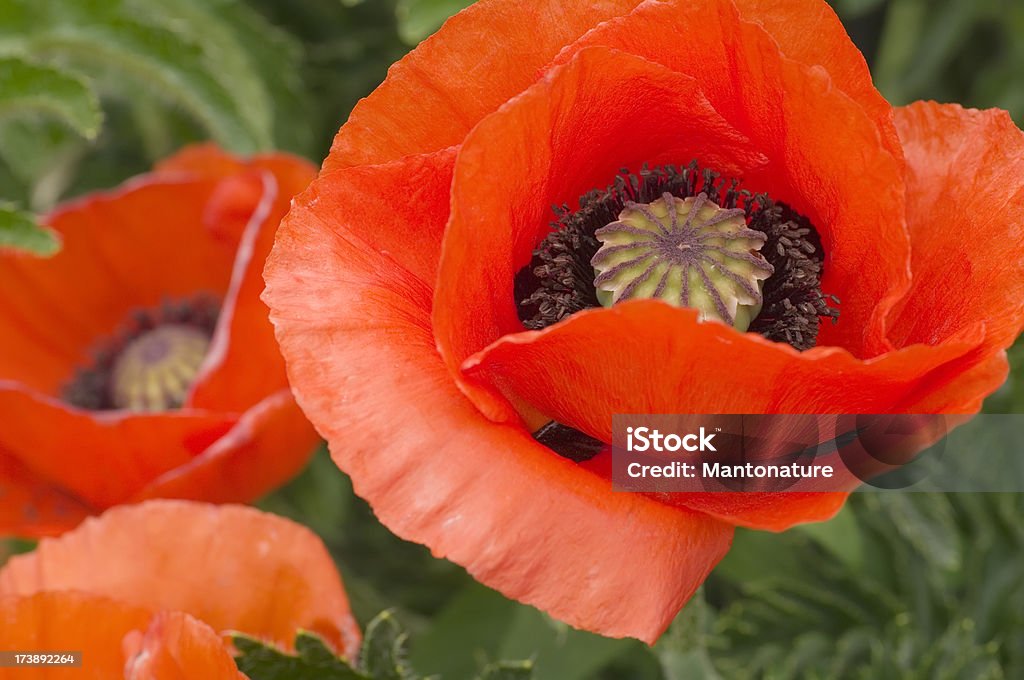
139	362
456	350
148	591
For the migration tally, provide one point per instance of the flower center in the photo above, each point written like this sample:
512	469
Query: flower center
155	370
687	236
688	252
151	363
768	284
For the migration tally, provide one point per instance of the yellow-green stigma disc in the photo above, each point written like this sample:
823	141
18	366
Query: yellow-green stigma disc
688	252
156	370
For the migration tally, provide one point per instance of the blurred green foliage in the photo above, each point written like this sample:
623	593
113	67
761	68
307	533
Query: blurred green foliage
419	18
897	586
967	51
176	70
923	586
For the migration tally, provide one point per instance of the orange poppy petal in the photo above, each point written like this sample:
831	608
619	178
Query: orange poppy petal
827	158
231	207
271	443
568	134
971	388
354	327
765	511
244	336
665	361
481	57
965	188
178	647
233	567
122	251
101	457
68	621
809	31
207	160
31	505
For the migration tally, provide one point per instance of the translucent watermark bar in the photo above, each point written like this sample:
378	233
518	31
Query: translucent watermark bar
677	453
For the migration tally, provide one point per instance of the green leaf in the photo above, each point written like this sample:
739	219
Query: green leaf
312	660
277	58
384	653
27	88
419	18
170	66
178	55
508	670
936	592
920	42
20	230
382	657
247	56
42	155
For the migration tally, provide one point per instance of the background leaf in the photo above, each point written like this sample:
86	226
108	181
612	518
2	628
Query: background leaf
27	88
419	18
19	230
312	660
384	655
167	72
914	610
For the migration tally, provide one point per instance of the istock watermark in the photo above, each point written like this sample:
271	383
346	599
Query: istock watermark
679	453
645	439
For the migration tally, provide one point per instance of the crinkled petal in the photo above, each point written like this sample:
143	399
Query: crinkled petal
809	31
827	156
566	135
101	457
480	58
68	621
397	209
965	189
972	387
260	195
664	361
233	567
177	646
354	327
269	444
